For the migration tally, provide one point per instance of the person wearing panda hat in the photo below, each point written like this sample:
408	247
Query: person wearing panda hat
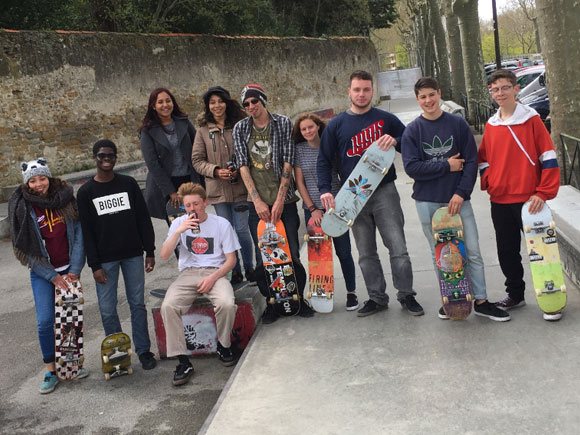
47	238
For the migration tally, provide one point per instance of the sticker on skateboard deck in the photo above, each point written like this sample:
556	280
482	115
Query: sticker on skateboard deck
450	261
278	268
116	355
542	247
357	189
320	291
68	329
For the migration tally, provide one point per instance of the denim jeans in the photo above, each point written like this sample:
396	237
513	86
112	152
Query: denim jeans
134	276
343	252
43	292
475	269
291	224
237	214
383	212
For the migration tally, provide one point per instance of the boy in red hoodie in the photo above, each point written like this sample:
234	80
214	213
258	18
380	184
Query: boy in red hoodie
517	163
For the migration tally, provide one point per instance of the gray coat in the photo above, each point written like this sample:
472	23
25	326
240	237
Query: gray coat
157	154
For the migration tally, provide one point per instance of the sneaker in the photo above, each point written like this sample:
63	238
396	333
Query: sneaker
508	303
351	301
49	383
305	309
250	275
148	361
82	373
182	374
491	311
412	306
442	314
553	317
269	316
237	278
226	355
370	307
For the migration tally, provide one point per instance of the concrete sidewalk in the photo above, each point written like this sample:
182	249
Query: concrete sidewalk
397	374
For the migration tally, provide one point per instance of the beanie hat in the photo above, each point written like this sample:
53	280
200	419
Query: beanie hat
254	90
33	168
216	90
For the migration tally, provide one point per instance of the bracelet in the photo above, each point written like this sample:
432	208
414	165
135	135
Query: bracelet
312	208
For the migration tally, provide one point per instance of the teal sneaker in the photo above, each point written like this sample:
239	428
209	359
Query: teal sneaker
49	383
82	373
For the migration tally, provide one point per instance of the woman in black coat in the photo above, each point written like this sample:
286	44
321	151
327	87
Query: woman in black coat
166	139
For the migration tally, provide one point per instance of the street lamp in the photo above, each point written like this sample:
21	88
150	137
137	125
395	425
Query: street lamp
496	35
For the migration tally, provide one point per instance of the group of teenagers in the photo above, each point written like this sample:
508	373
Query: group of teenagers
247	163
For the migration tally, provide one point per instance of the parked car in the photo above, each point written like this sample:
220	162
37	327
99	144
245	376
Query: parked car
528	74
534	89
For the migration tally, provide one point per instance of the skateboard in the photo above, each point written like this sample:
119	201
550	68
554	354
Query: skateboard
116	355
278	268
542	247
320	292
68	329
450	260
174	212
357	189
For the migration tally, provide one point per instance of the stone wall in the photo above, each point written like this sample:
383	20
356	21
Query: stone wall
62	91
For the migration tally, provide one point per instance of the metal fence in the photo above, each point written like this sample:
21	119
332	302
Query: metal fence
483	111
570	160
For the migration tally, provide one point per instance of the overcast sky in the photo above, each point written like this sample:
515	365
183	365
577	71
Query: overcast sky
485	12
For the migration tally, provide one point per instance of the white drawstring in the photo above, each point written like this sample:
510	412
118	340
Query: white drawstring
520	145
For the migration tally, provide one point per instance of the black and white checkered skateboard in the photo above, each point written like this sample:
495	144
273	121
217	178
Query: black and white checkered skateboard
68	329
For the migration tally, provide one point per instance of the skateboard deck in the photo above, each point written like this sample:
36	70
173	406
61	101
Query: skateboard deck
542	247
68	329
357	189
116	355
278	268
450	261
174	212
320	292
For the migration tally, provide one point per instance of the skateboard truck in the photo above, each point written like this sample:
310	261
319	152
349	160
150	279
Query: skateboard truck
340	216
374	166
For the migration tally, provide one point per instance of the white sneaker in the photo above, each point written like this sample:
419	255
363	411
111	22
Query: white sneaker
553	317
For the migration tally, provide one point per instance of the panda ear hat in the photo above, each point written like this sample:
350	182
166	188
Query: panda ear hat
33	168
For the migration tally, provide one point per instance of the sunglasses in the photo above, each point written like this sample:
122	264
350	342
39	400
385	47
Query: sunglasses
103	156
254	101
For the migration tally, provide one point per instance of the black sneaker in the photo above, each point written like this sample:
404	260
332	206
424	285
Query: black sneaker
442	314
351	301
305	309
226	355
269	316
508	303
182	374
491	311
148	361
370	307
237	278
412	306
250	275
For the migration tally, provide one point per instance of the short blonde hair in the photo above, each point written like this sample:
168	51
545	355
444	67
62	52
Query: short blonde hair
191	189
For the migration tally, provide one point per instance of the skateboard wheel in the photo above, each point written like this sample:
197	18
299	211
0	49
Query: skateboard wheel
271	301
60	302
81	301
107	376
326	237
328	295
469	297
130	371
129	352
295	297
563	288
350	222
552	225
306	237
81	360
60	361
330	210
445	300
538	292
283	241
308	294
527	228
365	158
260	245
105	359
384	171
460	234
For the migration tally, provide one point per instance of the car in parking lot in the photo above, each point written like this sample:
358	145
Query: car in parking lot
528	74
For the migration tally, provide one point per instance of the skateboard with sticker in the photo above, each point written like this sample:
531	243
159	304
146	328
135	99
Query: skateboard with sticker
357	189
68	329
116	355
278	268
545	264
450	261
320	291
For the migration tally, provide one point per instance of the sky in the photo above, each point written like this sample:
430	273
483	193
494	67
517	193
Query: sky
485	12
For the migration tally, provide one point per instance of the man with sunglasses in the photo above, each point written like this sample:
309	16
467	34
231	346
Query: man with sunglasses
264	152
117	229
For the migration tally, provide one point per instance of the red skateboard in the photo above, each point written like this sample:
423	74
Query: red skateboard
320	292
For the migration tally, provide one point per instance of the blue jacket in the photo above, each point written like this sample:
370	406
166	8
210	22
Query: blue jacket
76	250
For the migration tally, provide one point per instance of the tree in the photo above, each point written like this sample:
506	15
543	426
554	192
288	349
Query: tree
516	32
455	54
442	65
467	14
528	8
559	24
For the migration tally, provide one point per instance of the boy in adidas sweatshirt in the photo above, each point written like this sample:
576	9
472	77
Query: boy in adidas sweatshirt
517	163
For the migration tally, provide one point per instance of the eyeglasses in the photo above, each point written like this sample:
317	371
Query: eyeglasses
109	156
503	89
254	101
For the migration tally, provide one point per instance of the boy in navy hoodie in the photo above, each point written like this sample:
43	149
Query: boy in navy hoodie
440	154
